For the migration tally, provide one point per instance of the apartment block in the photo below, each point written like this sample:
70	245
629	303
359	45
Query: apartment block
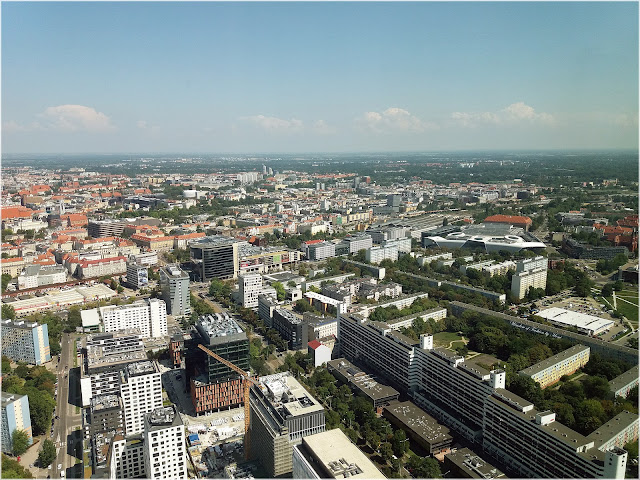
137	275
331	454
15	416
365	385
356	243
266	306
213	385
622	384
531	264
319	249
35	276
26	342
98	268
521	282
282	413
141	392
549	371
617	432
165	454
250	286
174	283
149	316
379	253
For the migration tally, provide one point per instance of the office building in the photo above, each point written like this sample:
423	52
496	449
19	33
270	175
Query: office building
250	286
266	306
213	385
382	234
215	257
25	342
165	454
103	356
137	276
550	370
15	416
174	283
282	413
289	326
149	316
331	454
141	392
522	282
421	428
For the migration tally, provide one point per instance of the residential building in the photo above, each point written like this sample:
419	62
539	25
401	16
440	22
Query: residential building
515	220
125	457
356	243
215	257
105	415
318	249
550	370
165	454
531	263
522	282
379	253
15	416
149	316
464	463
36	275
318	352
622	384
331	454
137	275
141	392
250	286
617	432
174	283
282	413
26	342
212	385
267	304
111	266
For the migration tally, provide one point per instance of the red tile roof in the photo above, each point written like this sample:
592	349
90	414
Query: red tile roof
513	219
314	344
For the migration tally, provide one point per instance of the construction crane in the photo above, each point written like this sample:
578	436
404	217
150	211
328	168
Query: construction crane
246	384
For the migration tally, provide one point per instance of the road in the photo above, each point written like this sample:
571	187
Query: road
68	420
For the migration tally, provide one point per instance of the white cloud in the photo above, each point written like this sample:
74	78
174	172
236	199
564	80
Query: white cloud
13	126
393	119
321	127
513	114
75	118
274	124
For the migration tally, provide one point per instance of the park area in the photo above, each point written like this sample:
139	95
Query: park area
449	340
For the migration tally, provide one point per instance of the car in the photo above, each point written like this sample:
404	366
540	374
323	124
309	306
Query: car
62	474
50	467
59	466
57	417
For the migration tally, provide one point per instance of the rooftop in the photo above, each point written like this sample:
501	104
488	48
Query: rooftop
141	368
579	320
163	417
420	422
559	357
175	271
625	379
104	402
287	395
613	428
216	325
473	465
214	241
8	398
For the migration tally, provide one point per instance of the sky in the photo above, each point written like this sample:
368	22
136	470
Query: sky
290	77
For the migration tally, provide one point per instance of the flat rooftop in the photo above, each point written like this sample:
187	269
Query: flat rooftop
551	361
141	368
473	465
366	383
214	241
576	319
8	398
287	395
175	272
219	325
337	456
105	402
423	424
613	427
625	379
163	417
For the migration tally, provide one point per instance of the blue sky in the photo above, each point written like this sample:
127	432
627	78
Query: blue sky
318	77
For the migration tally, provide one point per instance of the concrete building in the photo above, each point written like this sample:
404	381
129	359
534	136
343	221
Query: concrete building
266	307
141	392
622	384
379	253
105	416
436	314
421	428
318	352
215	257
35	276
103	356
382	234
586	324
356	243
149	316
174	283
531	263
617	432
250	286
282	413
550	370
331	454
137	275
365	385
165	454
464	463
111	266
318	249
26	342
125	457
289	326
522	282
15	416
212	385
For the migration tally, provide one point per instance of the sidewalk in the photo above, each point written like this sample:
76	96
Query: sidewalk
31	456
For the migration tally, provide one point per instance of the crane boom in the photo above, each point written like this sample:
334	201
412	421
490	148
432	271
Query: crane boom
246	380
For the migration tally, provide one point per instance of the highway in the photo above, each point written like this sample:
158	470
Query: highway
68	418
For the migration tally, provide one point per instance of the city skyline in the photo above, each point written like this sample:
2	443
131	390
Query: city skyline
331	77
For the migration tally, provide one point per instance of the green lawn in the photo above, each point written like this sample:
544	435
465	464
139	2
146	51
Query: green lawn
444	338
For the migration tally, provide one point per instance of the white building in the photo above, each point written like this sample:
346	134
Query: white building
379	253
165	453
141	392
146	258
587	324
99	268
250	286
319	249
521	282
319	353
174	283
149	316
531	263
358	242
36	276
25	342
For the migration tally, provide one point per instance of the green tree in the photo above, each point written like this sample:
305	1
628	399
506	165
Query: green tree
424	467
6	365
280	291
399	442
19	442
12	469
386	451
47	454
219	289
6	279
8	312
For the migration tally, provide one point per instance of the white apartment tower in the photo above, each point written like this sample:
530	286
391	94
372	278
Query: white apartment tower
141	392
521	282
174	283
149	316
164	444
250	286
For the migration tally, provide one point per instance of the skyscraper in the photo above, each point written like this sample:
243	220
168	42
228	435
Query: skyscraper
174	283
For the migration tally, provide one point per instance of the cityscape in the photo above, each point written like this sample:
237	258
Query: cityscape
319	240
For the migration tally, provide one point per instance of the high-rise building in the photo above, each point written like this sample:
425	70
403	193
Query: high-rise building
165	454
522	282
174	283
215	257
356	243
282	413
26	342
213	385
15	416
149	316
141	392
137	275
250	286
289	326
